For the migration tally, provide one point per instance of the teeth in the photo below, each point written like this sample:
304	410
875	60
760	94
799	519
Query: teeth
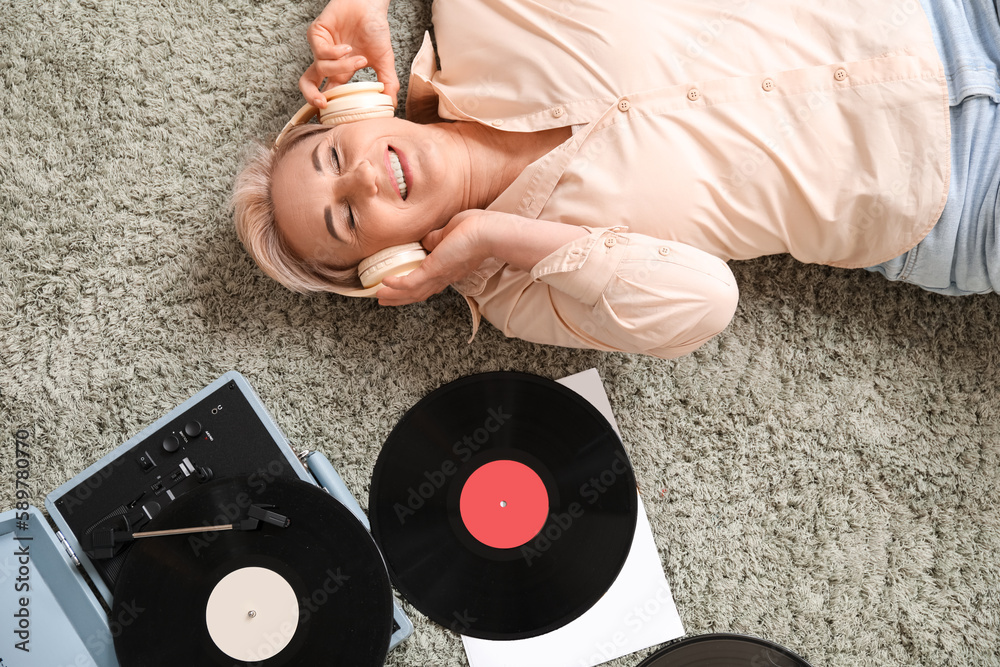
397	171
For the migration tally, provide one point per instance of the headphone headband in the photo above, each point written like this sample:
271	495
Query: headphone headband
345	104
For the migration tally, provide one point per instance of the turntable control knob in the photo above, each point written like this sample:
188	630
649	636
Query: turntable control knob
171	443
192	429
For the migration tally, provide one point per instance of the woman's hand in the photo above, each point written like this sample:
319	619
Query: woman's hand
346	36
456	250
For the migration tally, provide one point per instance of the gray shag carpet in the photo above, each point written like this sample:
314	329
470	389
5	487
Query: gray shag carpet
823	474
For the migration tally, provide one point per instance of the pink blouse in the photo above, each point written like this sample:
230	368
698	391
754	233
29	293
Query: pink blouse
704	131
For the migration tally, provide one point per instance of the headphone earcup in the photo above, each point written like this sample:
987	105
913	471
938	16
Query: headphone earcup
395	261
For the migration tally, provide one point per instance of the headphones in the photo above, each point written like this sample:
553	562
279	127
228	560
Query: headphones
349	103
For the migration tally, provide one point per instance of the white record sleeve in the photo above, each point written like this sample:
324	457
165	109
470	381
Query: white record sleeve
637	612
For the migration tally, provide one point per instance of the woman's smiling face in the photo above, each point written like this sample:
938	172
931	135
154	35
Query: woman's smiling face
336	197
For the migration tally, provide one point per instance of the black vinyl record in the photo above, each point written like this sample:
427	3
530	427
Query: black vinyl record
723	650
314	592
504	505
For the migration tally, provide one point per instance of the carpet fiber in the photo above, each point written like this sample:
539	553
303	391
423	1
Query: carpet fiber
823	474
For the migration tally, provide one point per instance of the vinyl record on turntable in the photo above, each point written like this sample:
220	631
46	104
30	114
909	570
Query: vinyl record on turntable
313	592
723	650
504	505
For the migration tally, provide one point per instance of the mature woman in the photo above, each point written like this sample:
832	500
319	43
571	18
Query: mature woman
583	170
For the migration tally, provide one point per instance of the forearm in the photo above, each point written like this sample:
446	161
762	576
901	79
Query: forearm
614	290
523	242
469	239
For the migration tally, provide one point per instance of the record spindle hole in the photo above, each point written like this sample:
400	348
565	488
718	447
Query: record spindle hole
504	504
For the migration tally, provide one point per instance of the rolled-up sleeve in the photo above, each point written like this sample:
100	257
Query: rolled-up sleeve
614	290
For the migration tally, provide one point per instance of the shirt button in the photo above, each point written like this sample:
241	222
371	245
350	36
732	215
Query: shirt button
610	241
498	122
664	250
693	94
557	112
624	105
840	74
767	85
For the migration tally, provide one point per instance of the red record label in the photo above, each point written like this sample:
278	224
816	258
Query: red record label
504	504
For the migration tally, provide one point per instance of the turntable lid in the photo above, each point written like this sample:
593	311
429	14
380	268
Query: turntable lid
65	624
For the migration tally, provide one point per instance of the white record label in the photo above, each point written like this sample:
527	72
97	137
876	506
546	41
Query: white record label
252	614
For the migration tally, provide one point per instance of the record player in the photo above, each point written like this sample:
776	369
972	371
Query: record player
503	506
67	575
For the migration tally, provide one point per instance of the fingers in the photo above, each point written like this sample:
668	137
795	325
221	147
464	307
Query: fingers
337	72
367	31
387	297
392	90
432	239
309	87
331	61
321	42
385	71
404	290
392	297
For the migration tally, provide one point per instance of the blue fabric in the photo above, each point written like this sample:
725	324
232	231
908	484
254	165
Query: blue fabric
961	255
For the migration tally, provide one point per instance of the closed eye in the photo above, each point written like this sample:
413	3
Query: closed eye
336	165
336	159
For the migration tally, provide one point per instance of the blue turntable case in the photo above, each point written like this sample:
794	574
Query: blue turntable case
53	618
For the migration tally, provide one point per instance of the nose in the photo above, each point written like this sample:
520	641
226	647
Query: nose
361	179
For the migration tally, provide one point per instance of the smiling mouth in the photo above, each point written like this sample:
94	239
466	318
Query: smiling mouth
397	173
